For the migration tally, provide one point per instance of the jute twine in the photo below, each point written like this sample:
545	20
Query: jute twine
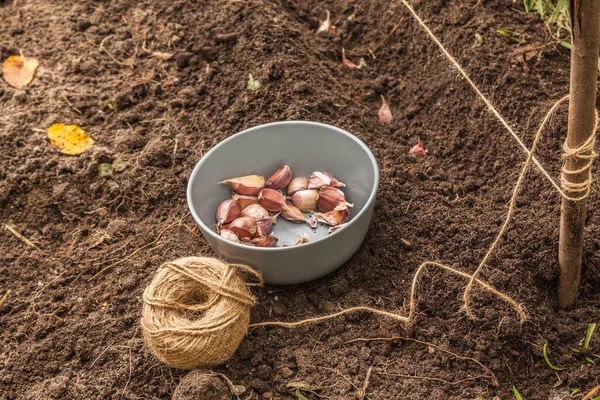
196	311
584	152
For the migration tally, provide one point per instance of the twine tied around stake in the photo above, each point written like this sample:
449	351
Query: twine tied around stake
584	152
196	311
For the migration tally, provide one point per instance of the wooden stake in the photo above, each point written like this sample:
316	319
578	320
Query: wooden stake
585	21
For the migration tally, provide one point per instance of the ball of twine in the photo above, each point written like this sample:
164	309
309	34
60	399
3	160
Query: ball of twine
196	311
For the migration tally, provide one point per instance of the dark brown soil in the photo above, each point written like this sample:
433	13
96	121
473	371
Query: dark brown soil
66	335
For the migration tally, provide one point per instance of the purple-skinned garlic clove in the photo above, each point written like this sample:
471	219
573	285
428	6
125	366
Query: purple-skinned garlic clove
280	179
249	185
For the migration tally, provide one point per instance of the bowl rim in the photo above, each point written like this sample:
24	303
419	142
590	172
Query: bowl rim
206	228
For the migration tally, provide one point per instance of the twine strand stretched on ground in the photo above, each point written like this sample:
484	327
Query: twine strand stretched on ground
413	301
511	207
583	152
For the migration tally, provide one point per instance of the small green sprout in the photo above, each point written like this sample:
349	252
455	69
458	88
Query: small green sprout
516	393
585	344
512	35
479	39
588	337
545	354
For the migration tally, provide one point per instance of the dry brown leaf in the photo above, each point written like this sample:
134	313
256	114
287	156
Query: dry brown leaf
18	71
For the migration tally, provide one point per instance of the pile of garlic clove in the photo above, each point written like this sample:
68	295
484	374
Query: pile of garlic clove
249	215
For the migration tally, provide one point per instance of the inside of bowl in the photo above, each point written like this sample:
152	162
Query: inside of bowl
304	146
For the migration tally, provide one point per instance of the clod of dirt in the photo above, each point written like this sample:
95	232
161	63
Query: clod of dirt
51	388
122	101
286	372
83	25
102	155
157	154
119	227
200	385
68	198
471	183
183	59
259	385
128	140
263	371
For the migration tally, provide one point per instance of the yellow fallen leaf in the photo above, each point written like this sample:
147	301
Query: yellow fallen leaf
69	139
18	71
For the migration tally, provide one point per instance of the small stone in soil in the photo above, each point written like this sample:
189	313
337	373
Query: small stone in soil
183	59
263	372
286	372
200	385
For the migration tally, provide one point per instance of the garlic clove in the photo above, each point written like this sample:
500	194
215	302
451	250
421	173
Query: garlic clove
249	185
264	226
272	200
336	228
334	182
418	150
326	27
306	200
340	215
385	114
244	201
329	198
280	179
321	179
267	241
296	185
256	212
347	63
227	211
293	213
318	180
220	228
244	227
303	238
229	235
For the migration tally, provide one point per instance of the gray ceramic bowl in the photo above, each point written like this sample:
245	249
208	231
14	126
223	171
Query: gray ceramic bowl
306	147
